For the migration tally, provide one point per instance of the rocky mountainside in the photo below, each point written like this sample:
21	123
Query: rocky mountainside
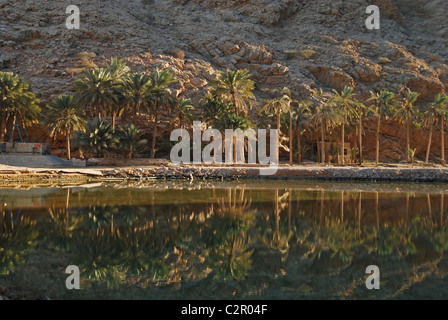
301	44
298	43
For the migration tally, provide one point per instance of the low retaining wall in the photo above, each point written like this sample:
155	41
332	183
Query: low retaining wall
27	148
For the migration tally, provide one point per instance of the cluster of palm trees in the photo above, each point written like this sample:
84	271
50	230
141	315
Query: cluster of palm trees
16	99
324	112
113	91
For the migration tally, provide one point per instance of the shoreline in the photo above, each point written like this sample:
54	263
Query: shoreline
405	173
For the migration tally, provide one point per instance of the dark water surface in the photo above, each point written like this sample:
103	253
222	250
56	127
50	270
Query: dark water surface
226	240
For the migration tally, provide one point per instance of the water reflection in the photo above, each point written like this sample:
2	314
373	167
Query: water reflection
254	240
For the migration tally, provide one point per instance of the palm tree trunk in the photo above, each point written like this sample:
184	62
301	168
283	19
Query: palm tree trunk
234	103
343	141
322	143
98	112
377	142
114	116
408	135
278	128
360	137
2	125
299	147
319	153
442	139
428	148
13	126
154	136
354	146
252	115
278	119
290	139
67	133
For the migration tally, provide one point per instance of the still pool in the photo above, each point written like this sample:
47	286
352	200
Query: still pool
225	240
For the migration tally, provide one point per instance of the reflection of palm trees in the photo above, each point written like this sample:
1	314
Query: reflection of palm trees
359	213
108	244
428	199
232	259
97	254
60	226
342	241
226	238
339	238
100	218
17	239
336	235
144	254
280	236
442	196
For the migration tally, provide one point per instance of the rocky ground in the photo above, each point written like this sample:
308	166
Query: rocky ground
296	43
14	175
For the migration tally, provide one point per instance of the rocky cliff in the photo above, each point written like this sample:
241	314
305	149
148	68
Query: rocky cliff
296	43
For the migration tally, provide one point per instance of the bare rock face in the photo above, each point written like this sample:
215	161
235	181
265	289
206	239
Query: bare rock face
301	44
282	42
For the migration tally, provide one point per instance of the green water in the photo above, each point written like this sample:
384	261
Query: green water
226	240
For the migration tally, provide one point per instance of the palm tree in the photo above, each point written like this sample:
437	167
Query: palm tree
130	140
325	115
118	71
64	118
362	110
302	114
16	99
183	109
95	89
439	103
279	106
384	101
404	113
346	102
235	87
233	122
96	138
160	98
212	108
430	116
135	88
